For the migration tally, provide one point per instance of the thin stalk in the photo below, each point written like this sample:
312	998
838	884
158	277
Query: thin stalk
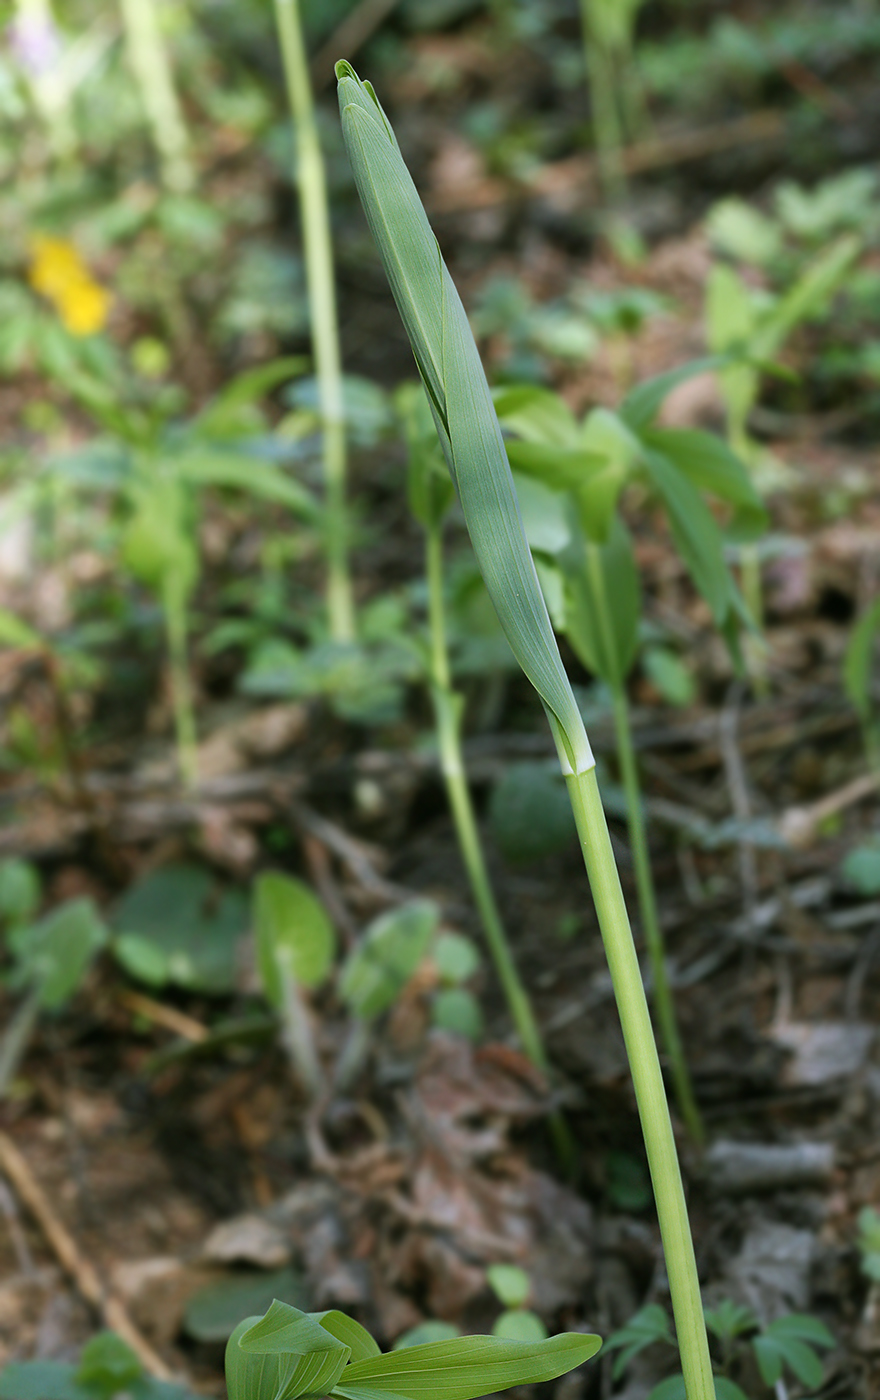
663	1003
15	1040
318	248
632	1005
607	130
662	995
297	1033
447	710
148	57
181	689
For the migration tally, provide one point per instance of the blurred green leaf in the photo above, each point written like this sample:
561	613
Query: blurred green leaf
294	935
391	948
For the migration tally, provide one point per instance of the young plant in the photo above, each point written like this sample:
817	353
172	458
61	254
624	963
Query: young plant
290	1354
318	247
431	494
107	1367
587	564
466	423
608	30
296	946
151	66
754	327
787	1344
50	958
858	670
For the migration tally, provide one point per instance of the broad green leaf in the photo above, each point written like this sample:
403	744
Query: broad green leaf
468	1367
858	661
536	415
696	533
344	1328
560	468
15	633
288	1334
548	529
461	403
192	923
55	954
603	604
376	971
206	466
107	1364
809	296
252	1376
41	1380
709	464
19	890
642	404
529	812
606	435
294	935
157	542
214	1311
773	1351
802	1326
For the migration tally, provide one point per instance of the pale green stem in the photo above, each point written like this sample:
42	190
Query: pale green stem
318	250
297	1031
638	1034
447	710
181	689
607	130
663	1003
148	57
16	1037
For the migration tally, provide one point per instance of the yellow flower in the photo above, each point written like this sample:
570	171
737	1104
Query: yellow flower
58	272
54	264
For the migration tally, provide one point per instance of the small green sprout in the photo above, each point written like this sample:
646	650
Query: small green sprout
290	1354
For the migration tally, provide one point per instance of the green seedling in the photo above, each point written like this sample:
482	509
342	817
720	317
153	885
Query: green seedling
468	428
157	468
107	1368
431	494
858	673
869	1243
290	1354
311	182
755	326
608	32
788	1344
151	65
50	958
296	947
511	1287
376	971
572	478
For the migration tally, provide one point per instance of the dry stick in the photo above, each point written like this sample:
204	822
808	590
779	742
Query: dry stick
187	1027
81	1271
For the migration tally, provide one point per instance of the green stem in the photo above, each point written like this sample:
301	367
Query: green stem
149	61
607	131
318	249
447	710
632	1005
663	1003
181	690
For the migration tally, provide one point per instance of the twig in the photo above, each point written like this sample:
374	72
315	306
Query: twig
177	1021
799	825
81	1270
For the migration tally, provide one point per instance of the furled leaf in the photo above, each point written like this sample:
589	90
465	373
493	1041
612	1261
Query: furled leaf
291	1335
460	401
346	1330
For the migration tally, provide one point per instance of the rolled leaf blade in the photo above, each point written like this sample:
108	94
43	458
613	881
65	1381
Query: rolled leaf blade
461	403
466	1368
